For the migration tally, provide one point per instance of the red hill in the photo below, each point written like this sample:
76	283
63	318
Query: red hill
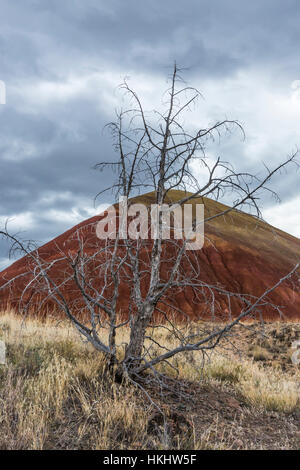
241	253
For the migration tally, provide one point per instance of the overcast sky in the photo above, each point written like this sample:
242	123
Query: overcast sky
61	62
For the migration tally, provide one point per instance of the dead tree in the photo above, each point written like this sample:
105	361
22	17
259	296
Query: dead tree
154	152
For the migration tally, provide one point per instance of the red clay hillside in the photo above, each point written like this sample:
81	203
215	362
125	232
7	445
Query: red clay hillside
241	253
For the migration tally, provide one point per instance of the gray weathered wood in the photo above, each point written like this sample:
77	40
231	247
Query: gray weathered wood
2	352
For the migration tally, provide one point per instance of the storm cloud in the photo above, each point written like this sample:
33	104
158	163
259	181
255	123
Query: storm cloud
62	61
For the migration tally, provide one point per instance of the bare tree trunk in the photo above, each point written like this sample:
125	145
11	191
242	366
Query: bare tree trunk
139	324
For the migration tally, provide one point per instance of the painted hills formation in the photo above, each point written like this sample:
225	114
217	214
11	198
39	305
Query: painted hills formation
240	253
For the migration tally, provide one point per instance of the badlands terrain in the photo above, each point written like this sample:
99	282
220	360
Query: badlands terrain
55	390
241	253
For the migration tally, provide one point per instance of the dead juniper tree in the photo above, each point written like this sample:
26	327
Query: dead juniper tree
155	152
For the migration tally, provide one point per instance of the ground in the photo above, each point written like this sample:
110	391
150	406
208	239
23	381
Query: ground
55	393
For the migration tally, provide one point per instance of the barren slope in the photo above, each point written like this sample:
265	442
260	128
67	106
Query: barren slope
241	253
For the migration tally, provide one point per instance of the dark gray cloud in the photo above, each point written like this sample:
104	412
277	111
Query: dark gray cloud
61	62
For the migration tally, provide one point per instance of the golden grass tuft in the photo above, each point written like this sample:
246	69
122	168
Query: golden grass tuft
55	392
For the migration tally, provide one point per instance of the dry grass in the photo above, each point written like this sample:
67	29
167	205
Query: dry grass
55	393
264	388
